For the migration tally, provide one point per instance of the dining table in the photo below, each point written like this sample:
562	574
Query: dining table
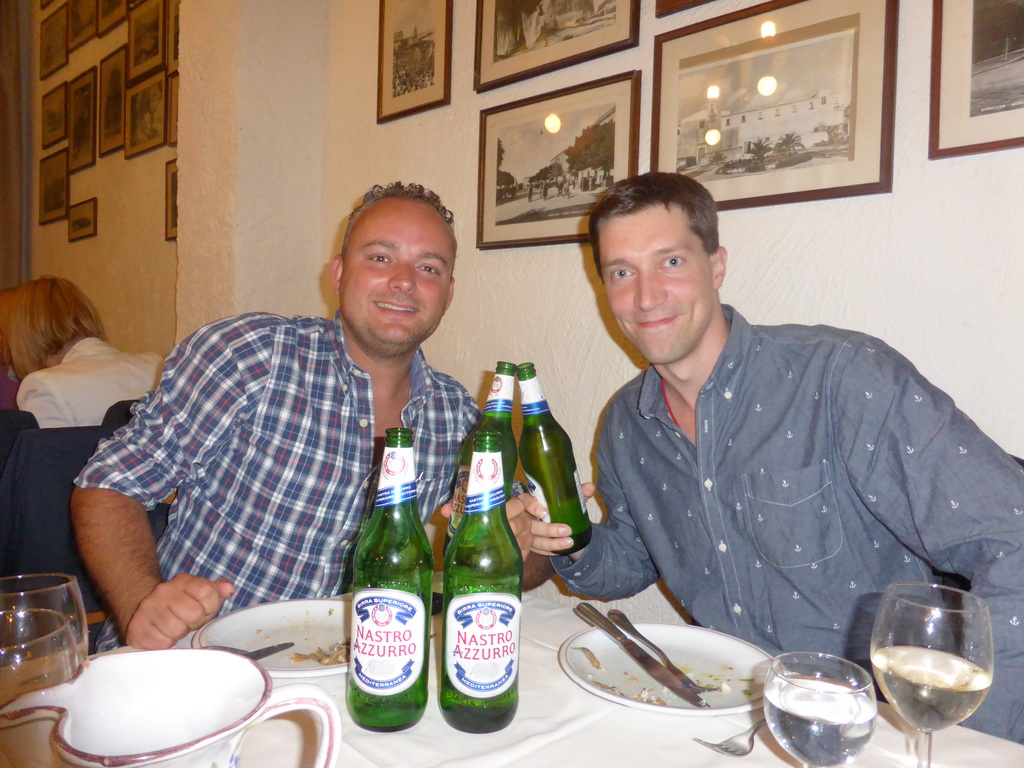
560	723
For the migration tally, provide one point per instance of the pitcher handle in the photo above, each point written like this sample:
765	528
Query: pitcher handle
314	699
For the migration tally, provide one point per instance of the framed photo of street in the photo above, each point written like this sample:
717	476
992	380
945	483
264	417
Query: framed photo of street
545	159
81	22
110	14
82	220
665	7
414	57
53	120
517	39
111	104
788	101
82	121
145	38
53	42
53	187
171	200
977	88
145	115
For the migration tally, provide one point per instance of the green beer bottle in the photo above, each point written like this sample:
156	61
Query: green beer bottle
393	565
497	417
483	574
548	462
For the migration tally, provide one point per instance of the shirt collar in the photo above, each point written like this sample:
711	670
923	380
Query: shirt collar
87	346
421	381
724	377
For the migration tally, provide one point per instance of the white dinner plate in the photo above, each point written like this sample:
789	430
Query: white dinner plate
310	624
706	656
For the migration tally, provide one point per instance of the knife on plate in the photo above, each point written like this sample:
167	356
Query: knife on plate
620	619
650	665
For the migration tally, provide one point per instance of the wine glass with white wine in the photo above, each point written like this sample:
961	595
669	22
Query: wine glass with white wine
932	653
820	708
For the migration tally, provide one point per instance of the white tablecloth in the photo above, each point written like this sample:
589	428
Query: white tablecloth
558	723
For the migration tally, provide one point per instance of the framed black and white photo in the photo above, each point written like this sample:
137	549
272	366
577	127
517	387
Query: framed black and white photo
82	220
81	22
517	39
82	121
665	7
53	122
111	103
783	102
977	89
172	109
173	34
53	42
145	38
545	159
414	57
110	14
53	187
145	116
171	200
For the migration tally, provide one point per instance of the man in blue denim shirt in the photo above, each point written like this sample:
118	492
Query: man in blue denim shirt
777	479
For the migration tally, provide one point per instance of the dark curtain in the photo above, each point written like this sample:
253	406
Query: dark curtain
15	132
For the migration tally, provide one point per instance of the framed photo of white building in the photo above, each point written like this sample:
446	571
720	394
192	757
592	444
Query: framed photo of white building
545	159
414	57
788	101
977	94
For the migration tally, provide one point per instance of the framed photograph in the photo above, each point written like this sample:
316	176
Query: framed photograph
414	57
171	200
81	22
82	121
665	7
144	107
82	220
145	38
545	159
173	33
53	42
517	39
977	95
111	103
172	109
53	187
784	102
44	3
53	122
110	14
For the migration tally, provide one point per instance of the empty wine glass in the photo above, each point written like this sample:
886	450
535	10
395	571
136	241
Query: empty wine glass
932	652
53	591
38	649
820	708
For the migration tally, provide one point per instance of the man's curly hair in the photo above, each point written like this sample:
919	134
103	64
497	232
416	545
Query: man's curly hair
398	190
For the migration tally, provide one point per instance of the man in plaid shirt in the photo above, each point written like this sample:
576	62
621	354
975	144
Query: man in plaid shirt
268	428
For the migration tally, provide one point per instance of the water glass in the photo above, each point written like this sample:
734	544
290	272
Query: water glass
820	708
38	649
52	591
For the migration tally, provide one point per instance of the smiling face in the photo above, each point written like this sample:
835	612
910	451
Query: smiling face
394	281
662	287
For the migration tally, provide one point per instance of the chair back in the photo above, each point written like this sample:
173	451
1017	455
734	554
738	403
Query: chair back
12	424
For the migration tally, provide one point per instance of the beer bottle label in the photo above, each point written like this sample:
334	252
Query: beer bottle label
482	643
499	399
531	398
388	631
397	481
458	500
485	486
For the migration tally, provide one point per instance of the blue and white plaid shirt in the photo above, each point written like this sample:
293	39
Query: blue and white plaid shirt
265	429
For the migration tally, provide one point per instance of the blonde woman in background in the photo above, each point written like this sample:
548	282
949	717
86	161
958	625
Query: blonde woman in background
70	375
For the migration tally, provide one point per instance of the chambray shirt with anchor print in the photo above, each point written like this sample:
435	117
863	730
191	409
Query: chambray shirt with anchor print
826	467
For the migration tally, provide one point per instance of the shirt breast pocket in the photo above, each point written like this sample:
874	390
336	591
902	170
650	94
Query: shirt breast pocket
793	515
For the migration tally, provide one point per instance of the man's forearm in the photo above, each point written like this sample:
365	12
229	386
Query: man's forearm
536	570
116	542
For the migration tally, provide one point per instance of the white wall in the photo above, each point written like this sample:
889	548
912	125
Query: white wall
934	267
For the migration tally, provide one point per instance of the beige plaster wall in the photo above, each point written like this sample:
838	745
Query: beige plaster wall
128	269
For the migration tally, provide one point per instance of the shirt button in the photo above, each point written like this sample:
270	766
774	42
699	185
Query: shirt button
577	574
721	546
728	395
344	387
737	610
363	422
708	484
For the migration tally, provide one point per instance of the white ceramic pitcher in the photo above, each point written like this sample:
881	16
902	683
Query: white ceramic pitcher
178	708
